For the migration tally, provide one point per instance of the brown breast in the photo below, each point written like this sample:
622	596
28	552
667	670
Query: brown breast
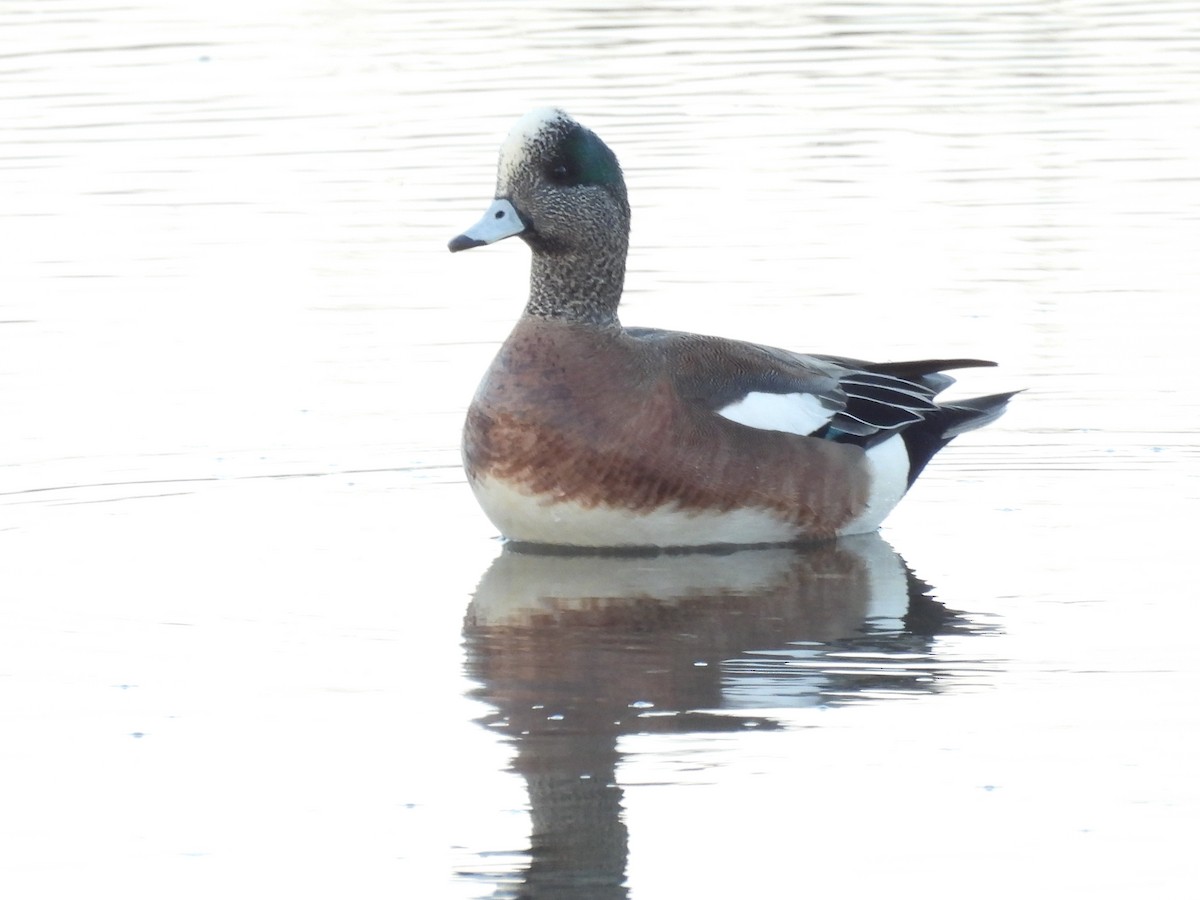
589	415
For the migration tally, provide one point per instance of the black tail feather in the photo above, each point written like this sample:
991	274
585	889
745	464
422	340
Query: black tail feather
926	438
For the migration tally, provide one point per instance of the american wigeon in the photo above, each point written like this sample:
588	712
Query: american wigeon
589	434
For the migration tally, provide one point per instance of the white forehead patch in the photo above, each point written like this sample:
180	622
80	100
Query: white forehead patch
521	139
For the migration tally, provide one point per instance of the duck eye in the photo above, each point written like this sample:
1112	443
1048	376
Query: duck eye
559	173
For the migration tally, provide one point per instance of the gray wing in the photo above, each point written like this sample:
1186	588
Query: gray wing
845	399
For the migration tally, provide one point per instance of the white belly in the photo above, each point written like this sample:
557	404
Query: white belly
525	517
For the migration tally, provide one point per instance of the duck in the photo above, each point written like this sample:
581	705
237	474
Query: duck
584	433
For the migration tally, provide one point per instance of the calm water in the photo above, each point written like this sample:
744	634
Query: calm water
257	640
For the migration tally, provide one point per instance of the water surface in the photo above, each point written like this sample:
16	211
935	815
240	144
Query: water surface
257	636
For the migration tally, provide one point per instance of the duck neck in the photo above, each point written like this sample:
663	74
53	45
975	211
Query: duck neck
578	286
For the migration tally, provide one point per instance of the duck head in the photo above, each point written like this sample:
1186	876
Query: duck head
560	188
557	184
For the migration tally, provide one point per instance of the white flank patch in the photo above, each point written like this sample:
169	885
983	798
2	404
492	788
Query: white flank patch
523	517
522	136
794	413
887	462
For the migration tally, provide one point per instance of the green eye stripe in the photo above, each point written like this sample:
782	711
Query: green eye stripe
582	158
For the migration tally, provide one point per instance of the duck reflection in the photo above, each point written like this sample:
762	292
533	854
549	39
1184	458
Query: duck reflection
574	651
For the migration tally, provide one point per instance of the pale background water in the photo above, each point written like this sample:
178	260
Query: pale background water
256	639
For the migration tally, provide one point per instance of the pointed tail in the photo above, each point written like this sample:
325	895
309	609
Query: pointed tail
939	428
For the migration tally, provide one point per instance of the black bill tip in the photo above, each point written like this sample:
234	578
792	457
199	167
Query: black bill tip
464	242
